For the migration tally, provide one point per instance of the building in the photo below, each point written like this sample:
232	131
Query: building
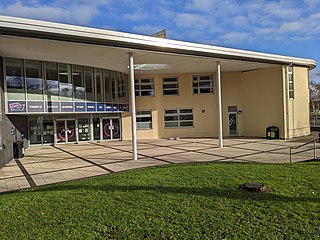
69	84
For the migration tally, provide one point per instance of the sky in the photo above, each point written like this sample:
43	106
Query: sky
288	27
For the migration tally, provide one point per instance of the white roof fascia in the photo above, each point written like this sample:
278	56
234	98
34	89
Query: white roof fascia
57	31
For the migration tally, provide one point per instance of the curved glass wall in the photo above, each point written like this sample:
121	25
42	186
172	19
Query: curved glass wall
48	87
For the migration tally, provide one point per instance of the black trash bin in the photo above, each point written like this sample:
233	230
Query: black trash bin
18	149
272	132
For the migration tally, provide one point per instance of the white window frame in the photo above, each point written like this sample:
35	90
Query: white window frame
198	80
168	83
138	84
178	114
290	77
139	114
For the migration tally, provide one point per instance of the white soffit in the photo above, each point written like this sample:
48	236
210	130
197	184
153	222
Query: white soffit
57	31
114	58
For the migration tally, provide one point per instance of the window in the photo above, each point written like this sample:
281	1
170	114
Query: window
88	76
107	86
202	84
144	119
113	79
290	81
34	81
66	88
99	84
52	81
15	79
177	118
122	91
170	86
77	75
144	87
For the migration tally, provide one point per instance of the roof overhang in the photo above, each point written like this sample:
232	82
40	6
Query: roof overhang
35	29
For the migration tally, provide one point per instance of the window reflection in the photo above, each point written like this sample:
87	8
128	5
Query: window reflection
65	82
53	82
89	83
79	90
34	80
15	80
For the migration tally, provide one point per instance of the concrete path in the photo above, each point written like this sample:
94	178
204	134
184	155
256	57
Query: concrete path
44	165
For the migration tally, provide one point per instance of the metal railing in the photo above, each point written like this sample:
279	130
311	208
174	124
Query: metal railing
314	120
314	148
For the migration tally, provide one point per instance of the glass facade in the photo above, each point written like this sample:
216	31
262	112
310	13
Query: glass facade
48	87
15	79
73	128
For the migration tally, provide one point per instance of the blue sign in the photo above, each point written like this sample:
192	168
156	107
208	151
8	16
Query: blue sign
100	107
80	106
67	107
115	108
16	106
52	106
35	106
91	107
56	107
108	107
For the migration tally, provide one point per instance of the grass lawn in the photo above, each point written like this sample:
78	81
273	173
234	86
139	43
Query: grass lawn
198	201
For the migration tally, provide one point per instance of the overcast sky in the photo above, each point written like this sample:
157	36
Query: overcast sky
289	27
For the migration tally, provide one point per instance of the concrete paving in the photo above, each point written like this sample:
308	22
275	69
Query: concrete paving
43	165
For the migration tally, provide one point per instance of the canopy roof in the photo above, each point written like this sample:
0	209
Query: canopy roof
34	39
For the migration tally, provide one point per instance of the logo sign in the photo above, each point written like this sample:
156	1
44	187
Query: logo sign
18	106
91	107
52	106
80	106
108	107
34	106
100	107
67	107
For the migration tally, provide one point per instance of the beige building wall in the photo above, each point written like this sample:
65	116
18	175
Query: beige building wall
259	94
262	92
298	123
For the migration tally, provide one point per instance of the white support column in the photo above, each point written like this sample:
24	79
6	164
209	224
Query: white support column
219	105
133	109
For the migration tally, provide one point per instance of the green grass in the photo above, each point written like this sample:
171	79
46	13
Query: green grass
200	201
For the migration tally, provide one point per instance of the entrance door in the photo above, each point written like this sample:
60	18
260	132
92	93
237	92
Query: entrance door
111	129
66	131
232	112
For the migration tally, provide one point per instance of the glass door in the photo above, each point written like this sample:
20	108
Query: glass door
48	132
115	122
96	129
111	129
66	131
71	131
61	131
83	129
232	113
106	128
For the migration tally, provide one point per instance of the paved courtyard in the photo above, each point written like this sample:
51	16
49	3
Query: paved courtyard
44	165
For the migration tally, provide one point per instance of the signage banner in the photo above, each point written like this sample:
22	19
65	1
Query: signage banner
67	107
115	108
56	107
52	107
35	106
80	106
100	107
108	107
91	107
16	106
